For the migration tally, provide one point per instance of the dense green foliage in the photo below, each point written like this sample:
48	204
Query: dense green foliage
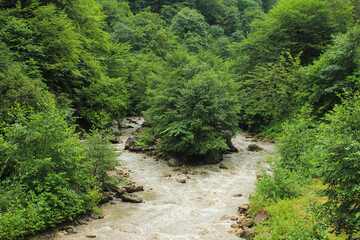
192	115
46	175
197	69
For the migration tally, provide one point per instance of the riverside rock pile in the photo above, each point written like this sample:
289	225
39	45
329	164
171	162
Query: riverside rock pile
243	224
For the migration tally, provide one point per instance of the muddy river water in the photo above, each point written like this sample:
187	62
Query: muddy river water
174	210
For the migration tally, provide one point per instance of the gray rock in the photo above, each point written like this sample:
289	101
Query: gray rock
225	217
132	188
181	180
131	198
237	195
235	225
90	235
166	175
70	229
97	216
243	208
223	166
174	162
253	148
120	192
249	233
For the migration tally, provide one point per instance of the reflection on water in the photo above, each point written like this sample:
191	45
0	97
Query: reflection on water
174	210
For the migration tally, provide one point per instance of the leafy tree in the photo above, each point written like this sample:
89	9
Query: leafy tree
58	59
16	87
295	26
169	11
212	10
271	93
191	120
336	69
43	166
148	71
216	31
115	11
99	155
189	21
339	145
145	32
268	4
105	98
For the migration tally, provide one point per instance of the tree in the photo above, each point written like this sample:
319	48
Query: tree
336	69
16	87
212	10
189	21
339	147
192	120
273	92
44	169
295	26
107	98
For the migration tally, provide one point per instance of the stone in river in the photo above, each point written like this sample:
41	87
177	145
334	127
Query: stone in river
131	198
253	148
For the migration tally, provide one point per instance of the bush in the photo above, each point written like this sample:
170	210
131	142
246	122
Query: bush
45	175
279	184
146	137
99	156
339	147
288	221
296	143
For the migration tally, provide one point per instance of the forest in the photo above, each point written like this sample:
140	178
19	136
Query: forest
198	71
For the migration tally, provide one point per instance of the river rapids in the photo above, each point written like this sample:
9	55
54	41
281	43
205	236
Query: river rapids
173	210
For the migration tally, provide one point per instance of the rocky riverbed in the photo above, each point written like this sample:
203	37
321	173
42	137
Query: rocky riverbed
186	202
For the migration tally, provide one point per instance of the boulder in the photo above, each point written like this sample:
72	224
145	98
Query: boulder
181	180
235	225
105	197
131	198
70	229
225	217
249	223
120	192
97	216
253	148
130	142
239	232
243	208
166	175
90	235
223	166
174	162
132	188
249	233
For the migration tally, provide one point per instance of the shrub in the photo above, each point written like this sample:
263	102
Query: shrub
339	147
44	174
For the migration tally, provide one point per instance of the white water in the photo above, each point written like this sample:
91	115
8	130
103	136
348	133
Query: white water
174	210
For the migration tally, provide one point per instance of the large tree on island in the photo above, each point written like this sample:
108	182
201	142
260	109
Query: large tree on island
194	117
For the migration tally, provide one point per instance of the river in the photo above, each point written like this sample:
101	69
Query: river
174	210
